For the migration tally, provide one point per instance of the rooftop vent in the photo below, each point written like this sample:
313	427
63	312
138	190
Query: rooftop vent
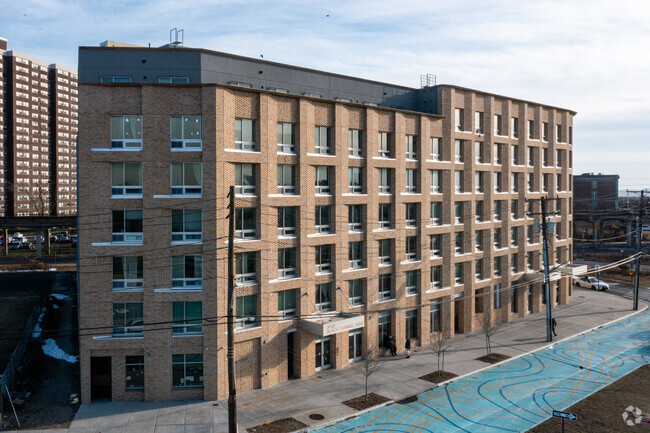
428	80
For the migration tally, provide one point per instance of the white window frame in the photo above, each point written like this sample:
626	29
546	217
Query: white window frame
186	143
122	190
186	190
185	282
123	143
246	145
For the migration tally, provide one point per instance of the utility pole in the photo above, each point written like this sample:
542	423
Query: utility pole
639	233
232	392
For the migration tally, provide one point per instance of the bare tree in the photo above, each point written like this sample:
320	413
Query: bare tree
489	326
368	366
38	197
440	344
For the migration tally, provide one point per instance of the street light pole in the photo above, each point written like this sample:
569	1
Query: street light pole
639	233
547	288
232	392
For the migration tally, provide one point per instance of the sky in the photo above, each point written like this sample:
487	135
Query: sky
590	56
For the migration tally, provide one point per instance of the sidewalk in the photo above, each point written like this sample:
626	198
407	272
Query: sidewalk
323	393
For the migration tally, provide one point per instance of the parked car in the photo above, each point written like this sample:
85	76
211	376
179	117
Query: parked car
591	283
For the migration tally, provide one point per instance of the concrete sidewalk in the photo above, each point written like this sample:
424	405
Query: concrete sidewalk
323	393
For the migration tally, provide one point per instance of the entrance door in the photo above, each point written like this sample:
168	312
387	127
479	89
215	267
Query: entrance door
323	359
354	346
100	377
290	354
458	306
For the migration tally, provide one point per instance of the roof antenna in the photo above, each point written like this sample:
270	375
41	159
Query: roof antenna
174	41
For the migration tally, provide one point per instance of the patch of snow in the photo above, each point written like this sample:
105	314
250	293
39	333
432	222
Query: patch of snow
59	296
56	307
37	328
50	348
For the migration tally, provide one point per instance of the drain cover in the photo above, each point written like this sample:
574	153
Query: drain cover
316	416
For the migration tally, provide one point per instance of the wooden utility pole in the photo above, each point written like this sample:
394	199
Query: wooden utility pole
232	391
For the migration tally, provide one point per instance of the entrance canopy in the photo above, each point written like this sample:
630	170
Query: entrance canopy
539	276
332	323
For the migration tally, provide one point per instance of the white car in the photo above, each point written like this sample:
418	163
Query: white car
591	283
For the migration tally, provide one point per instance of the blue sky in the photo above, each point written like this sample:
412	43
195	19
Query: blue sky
590	56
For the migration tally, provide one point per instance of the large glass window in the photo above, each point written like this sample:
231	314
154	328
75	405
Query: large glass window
187	371
286	179
434	149
412	282
435	242
385	286
458	150
458	181
355	142
458	273
286	138
435	181
127	273
134	372
245	136
435	213
384	329
459	119
355	254
436	277
355	180
355	217
411	324
411	214
287	303
412	147
187	225
187	272
245	182
245	222
322	139
246	311
323	258
385	215
187	317
127	319
323	218
246	267
287	262
412	180
185	132
126	132
324	297
411	247
355	292
385	145
126	179
385	181
323	183
127	226
385	251
287	221
435	319
187	178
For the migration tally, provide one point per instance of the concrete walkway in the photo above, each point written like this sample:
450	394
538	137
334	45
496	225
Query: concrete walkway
323	393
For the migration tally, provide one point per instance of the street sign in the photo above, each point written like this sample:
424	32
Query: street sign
565	415
597	267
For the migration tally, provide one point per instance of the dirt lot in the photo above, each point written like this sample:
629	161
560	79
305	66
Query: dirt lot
603	412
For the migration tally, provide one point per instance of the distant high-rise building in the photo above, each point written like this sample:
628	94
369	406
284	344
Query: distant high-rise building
38	153
595	191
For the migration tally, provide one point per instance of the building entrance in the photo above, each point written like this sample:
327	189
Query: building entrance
354	348
100	378
323	353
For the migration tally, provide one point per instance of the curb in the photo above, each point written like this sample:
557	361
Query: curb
357	414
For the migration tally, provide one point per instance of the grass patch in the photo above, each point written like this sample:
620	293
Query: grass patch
438	376
361	402
284	425
493	358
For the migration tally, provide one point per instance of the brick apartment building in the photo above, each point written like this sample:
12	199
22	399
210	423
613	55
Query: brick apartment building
363	209
595	191
38	118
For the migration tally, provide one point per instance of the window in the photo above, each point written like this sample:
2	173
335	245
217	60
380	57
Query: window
514	209
479	301
558	158
286	221
530	183
187	370
323	218
126	179
127	273
558	133
412	324
529	234
435	241
513	298
245	182
558	182
458	181
513	236
187	272
435	316
435	212
458	273
114	79
324	297
186	178
498	129
286	138
436	277
514	263
323	184
385	216
134	373
126	132
412	147
497	238
411	248
411	214
530	159
497	181
246	311
478	122
458	151
478	240
384	328
385	252
478	211
478	269
514	127
355	217
545	131
385	181
546	178
530	128
322	140
355	292
355	255
185	132
127	319
435	148
245	223
127	226
355	180
478	152
529	300
245	136
497	154
286	179
497	210
355	142
187	317
497	296
514	185
174	80
435	181
411	180
497	267
515	154
459	119
287	303
323	258
385	286
246	267
458	212
287	262
385	145
187	225
458	242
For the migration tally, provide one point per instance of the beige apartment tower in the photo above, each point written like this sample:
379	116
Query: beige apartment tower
362	210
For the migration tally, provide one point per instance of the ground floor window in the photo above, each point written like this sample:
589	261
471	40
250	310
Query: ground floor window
187	370
513	299
355	349
412	324
436	325
135	372
384	328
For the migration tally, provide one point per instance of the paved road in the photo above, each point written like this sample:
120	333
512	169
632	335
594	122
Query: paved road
519	394
626	291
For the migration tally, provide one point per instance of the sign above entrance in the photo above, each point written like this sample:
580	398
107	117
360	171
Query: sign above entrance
332	323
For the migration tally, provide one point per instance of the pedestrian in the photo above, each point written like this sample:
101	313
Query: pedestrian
393	347
387	343
553	325
407	346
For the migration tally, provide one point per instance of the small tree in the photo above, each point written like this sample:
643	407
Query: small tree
440	344
368	366
489	325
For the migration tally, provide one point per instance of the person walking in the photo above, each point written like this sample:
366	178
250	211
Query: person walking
553	325
407	346
393	347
